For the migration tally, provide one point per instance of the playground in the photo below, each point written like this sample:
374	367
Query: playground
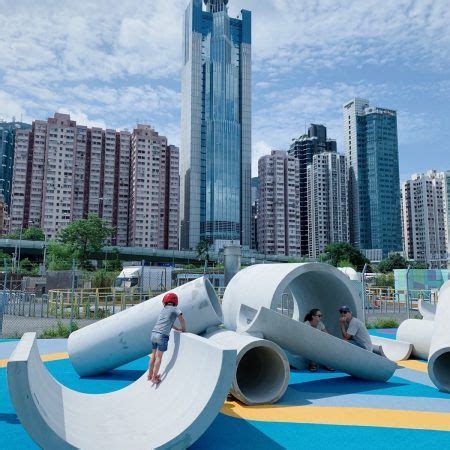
92	391
318	410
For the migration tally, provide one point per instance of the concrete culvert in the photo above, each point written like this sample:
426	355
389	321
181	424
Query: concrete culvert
262	369
439	362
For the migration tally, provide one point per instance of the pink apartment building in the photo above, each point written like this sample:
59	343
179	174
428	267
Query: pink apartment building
64	171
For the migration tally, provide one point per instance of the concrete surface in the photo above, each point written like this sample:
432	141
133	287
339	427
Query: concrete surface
262	369
427	310
392	349
439	362
312	285
323	348
418	333
196	377
124	337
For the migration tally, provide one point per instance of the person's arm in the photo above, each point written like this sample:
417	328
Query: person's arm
345	335
182	323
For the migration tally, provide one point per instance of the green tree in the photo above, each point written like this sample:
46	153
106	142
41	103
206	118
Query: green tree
384	280
28	267
203	252
392	262
342	252
85	236
59	256
4	256
28	234
114	263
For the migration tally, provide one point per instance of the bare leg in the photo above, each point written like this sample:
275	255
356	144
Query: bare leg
151	365
157	364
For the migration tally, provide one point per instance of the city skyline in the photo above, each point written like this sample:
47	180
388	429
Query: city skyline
115	70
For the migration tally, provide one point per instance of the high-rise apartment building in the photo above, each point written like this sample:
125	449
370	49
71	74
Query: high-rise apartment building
255	197
424	219
64	171
371	145
446	195
216	125
278	213
327	202
304	148
155	187
7	137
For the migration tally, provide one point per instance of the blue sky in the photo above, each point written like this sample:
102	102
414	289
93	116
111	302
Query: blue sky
112	64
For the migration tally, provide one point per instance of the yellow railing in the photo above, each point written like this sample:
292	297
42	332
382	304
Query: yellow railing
94	303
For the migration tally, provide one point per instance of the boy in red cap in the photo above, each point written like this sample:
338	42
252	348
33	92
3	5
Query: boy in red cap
161	332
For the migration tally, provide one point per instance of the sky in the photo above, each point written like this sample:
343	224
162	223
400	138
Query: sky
115	63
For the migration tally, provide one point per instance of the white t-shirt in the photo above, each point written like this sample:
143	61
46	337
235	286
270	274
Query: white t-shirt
320	325
359	332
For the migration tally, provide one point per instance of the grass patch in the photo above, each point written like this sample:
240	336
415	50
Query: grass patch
383	323
60	331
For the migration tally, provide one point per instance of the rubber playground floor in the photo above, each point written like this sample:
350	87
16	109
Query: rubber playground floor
323	410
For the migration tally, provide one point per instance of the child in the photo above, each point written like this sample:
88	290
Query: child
161	332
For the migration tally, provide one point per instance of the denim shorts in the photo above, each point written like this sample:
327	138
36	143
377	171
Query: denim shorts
159	342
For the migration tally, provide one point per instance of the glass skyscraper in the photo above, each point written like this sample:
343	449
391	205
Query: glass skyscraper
371	143
7	138
216	125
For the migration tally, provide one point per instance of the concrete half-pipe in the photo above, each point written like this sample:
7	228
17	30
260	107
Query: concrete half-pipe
196	378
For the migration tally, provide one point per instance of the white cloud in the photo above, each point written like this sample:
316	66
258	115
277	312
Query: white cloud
114	63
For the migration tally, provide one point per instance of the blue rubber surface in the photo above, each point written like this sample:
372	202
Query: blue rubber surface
322	388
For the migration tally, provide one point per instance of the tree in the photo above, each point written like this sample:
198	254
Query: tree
28	267
114	263
343	252
59	256
28	234
85	236
392	262
203	252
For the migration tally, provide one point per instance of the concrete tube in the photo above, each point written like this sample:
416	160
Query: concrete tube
418	333
439	362
427	310
196	377
391	349
125	336
312	285
232	261
302	339
262	369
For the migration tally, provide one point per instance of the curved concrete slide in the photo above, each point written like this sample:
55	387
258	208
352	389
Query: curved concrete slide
124	337
262	368
391	349
196	377
311	285
439	362
427	310
323	348
419	334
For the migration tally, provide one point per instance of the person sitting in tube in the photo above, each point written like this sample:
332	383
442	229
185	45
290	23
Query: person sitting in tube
314	319
353	330
161	332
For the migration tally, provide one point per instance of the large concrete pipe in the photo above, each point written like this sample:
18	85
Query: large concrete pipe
232	261
439	362
427	310
311	285
125	336
262	369
302	339
418	333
